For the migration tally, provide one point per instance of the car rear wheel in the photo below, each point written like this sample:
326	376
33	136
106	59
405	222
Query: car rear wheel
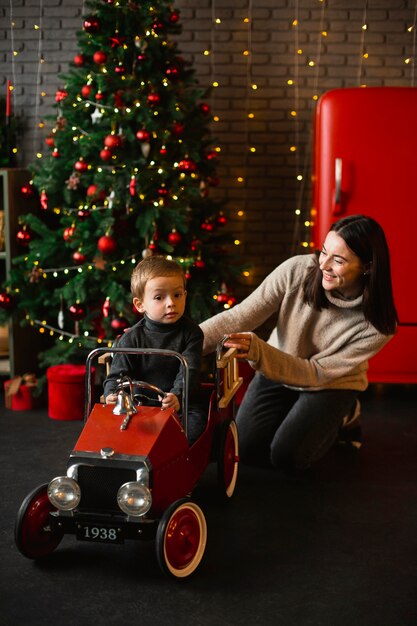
228	459
181	539
33	534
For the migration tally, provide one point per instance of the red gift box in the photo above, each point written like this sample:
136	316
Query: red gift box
66	391
18	392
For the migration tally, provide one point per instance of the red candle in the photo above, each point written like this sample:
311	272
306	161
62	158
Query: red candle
8	103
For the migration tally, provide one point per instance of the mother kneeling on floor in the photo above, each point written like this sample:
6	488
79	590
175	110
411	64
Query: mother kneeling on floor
335	310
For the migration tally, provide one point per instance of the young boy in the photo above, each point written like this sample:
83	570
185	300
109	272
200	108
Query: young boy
158	290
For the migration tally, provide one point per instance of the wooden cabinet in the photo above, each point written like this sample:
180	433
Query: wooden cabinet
19	345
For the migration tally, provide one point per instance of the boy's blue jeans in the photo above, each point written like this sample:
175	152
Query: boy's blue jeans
287	428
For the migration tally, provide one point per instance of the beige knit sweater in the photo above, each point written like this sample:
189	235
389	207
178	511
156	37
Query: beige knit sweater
307	349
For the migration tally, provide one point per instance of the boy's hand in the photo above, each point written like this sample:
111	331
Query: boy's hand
170	401
111	398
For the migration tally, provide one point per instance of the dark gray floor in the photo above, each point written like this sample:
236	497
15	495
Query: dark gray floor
335	547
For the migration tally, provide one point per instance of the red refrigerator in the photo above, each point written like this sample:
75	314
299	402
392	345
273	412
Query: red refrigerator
365	161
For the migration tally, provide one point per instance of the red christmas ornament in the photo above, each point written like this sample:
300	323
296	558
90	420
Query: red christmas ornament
23	237
27	191
44	200
105	154
106	244
79	60
143	135
85	91
60	95
50	141
100	57
187	165
91	24
106	308
163	192
119	324
78	257
163	151
204	108
174	17
222	298
92	191
177	128
119	69
221	219
77	311
113	141
55	153
132	186
157	27
81	165
231	301
69	233
153	98
195	245
199	264
174	238
172	71
118	100
99	96
83	214
212	155
207	226
6	300
116	41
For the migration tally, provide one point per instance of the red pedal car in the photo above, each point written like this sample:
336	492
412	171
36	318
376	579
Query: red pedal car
132	472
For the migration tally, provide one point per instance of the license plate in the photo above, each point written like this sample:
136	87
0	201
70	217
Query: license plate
99	533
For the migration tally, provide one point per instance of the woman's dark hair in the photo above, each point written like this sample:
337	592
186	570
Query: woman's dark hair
366	238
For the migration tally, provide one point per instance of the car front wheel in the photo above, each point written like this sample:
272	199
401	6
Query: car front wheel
181	539
33	534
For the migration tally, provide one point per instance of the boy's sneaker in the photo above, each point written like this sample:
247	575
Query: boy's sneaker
350	433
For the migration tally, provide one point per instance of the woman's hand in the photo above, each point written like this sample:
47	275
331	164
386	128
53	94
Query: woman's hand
111	398
240	341
170	401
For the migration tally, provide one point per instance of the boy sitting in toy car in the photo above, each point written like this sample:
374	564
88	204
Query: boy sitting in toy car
158	290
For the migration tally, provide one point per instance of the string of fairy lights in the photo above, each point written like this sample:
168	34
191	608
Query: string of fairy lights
299	147
313	63
363	52
411	60
250	86
249	115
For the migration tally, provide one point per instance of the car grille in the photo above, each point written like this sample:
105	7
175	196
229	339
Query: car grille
99	487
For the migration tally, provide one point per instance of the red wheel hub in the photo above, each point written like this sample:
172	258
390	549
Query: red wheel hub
182	538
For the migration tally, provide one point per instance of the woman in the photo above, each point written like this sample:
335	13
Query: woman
334	311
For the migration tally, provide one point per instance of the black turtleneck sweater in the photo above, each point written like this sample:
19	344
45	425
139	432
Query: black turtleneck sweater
184	336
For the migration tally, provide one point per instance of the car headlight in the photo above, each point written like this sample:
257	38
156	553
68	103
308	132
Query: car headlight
64	493
134	499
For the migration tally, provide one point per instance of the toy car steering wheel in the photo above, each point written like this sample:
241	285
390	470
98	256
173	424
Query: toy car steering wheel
143	385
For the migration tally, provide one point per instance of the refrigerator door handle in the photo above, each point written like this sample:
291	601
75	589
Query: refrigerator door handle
337	207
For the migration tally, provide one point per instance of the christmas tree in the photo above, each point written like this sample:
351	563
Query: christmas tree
128	173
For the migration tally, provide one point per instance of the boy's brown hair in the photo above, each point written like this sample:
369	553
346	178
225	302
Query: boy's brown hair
152	267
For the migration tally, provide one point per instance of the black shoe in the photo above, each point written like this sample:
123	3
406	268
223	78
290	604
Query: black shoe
350	437
350	433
